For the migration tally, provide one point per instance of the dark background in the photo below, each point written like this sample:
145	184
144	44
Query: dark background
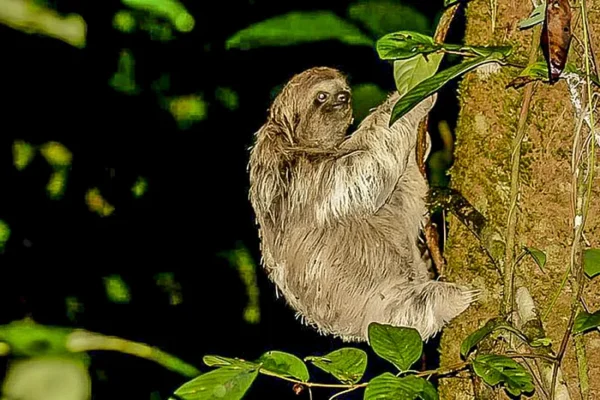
197	203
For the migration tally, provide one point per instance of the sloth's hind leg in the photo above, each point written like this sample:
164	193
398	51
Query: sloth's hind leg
427	306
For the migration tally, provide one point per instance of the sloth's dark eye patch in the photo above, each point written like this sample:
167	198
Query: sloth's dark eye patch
322	96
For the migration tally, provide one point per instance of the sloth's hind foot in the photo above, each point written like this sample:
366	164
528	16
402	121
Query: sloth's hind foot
428	306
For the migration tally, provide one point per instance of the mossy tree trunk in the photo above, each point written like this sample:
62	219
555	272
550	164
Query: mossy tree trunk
487	125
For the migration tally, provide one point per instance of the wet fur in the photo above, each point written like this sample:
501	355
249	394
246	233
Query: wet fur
340	216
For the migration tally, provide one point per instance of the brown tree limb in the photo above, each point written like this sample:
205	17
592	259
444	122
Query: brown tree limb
431	235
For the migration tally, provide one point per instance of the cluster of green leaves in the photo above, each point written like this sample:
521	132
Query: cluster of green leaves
417	58
400	346
149	16
60	158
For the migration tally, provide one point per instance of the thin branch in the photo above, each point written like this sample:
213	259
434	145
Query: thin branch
509	257
531	355
580	278
343	392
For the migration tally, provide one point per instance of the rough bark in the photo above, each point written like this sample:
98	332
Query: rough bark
486	127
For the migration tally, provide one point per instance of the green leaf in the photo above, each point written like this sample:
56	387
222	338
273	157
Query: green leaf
283	364
405	44
298	27
474	338
591	262
431	85
220	361
450	2
539	71
586	321
410	72
495	369
401	346
224	383
538	256
383	16
537	16
541	342
389	387
347	364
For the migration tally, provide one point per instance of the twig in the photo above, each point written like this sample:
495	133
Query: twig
450	370
343	392
431	237
531	355
582	367
584	211
565	341
538	380
514	183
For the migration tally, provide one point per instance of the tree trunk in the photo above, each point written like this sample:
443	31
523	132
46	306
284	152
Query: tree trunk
487	125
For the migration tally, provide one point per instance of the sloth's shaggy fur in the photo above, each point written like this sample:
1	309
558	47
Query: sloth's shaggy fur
340	216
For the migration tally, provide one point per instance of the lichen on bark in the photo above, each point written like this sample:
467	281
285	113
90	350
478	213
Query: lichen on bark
486	126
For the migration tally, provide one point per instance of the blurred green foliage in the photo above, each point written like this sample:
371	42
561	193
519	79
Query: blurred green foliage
4	234
172	10
57	184
123	79
298	27
187	109
242	260
365	96
169	285
140	187
23	154
117	290
385	16
97	203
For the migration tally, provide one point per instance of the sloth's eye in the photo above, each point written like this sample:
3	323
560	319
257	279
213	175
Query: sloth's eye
322	96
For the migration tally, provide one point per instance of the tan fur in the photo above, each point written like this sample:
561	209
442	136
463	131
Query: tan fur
340	216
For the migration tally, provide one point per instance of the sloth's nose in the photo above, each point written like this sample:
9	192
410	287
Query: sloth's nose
343	97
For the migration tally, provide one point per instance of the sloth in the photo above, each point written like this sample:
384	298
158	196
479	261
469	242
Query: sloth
340	216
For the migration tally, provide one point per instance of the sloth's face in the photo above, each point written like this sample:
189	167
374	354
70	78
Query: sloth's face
327	113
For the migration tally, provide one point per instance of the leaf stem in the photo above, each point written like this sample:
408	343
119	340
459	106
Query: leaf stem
343	392
531	355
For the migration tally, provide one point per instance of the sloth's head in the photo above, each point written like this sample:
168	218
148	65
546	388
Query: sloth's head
314	108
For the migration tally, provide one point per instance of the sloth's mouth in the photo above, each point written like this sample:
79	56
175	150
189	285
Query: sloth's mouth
338	105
